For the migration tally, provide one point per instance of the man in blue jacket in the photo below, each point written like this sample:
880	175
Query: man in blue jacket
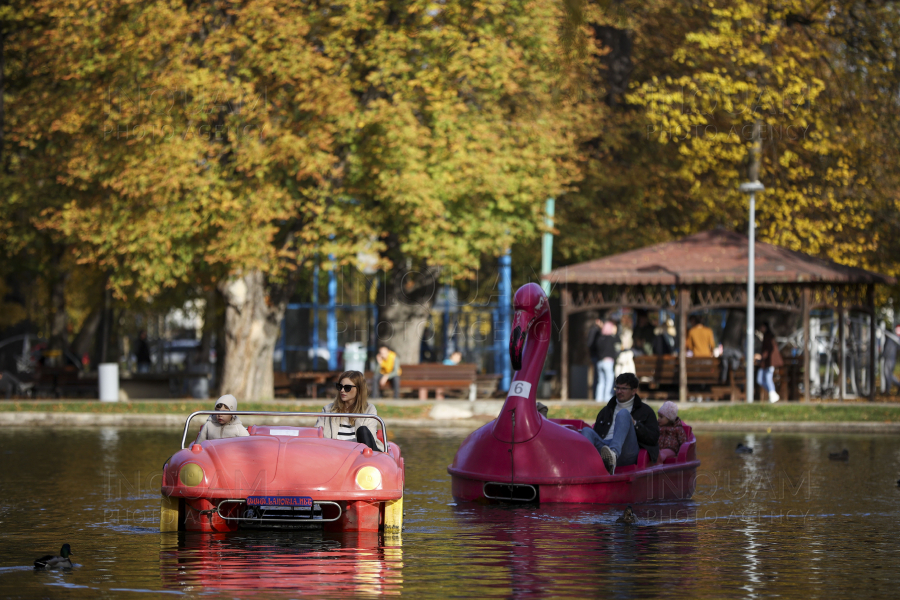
624	426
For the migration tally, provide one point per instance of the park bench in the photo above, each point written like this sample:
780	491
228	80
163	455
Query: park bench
487	384
65	382
659	377
787	381
440	378
303	384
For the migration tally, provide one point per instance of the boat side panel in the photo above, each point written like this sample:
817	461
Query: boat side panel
558	452
675	482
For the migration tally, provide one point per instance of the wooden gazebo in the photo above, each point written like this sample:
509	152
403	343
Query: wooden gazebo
709	270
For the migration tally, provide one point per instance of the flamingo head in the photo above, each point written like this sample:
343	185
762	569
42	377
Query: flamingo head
530	303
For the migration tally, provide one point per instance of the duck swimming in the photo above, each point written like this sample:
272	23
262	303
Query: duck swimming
51	562
628	517
842	455
742	449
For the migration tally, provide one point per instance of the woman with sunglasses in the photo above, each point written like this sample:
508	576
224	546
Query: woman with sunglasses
219	427
351	398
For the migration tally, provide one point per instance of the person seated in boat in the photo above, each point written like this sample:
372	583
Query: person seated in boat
351	398
671	433
624	426
219	427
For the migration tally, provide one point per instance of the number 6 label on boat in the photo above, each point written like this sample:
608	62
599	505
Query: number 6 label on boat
301	501
520	388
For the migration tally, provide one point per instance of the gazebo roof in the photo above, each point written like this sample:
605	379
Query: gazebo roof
710	257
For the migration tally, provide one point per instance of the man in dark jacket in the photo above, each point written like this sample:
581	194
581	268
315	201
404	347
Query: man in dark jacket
624	426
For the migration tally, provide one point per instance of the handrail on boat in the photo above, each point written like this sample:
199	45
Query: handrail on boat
187	423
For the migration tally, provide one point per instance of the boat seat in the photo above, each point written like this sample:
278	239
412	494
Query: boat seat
643	461
666	456
304	432
573	424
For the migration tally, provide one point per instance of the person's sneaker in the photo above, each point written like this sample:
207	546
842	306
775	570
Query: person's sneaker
774	397
609	459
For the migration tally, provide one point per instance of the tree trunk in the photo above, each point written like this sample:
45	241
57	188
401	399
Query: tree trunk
617	63
252	325
735	329
86	338
211	324
2	92
405	314
59	277
59	335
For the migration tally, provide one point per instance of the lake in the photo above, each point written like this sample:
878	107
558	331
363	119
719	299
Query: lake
782	521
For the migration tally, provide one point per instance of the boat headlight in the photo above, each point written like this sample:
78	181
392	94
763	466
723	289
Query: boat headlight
368	478
191	474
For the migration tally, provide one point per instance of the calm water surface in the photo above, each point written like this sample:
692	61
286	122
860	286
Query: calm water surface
783	521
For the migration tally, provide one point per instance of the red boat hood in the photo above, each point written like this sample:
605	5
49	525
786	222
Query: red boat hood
278	465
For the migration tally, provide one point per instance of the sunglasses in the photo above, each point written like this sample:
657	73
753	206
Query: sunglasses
221	406
346	388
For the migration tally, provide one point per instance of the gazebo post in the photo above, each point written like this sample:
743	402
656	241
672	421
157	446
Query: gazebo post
564	356
684	298
870	300
806	300
842	342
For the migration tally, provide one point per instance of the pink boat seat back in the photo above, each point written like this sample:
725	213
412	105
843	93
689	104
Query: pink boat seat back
666	456
576	424
283	430
643	461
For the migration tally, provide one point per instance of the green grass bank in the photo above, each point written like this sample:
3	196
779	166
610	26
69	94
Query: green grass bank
724	413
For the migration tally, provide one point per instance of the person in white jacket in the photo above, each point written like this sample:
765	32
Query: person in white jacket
351	398
219	427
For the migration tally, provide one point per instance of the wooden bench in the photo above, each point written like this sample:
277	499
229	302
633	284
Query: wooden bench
486	385
431	376
787	381
303	384
659	375
65	382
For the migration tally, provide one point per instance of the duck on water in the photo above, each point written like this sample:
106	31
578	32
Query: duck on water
51	562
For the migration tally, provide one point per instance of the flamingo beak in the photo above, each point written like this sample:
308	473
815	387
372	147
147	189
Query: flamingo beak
520	325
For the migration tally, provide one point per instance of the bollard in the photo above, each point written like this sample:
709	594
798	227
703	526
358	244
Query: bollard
109	382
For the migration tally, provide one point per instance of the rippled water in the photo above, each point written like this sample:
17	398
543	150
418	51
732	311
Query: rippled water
783	521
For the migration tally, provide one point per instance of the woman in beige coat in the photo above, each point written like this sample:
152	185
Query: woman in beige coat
351	398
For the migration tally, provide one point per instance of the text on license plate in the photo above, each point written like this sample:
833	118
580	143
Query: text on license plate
302	501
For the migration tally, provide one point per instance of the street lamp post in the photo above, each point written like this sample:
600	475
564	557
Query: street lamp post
751	188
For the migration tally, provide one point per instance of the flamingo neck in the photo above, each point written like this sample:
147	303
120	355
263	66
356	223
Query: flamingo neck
521	401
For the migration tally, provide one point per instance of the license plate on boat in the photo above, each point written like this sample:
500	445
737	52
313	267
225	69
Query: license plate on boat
300	501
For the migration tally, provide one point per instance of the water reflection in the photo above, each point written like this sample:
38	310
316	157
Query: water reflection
783	521
570	550
309	561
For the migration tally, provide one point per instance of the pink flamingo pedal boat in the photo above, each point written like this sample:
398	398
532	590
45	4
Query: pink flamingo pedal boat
522	456
282	478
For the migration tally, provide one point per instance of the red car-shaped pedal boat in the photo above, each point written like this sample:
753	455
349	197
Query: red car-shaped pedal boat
524	457
282	477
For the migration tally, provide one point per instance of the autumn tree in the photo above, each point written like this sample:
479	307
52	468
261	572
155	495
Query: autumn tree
686	86
464	125
225	145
